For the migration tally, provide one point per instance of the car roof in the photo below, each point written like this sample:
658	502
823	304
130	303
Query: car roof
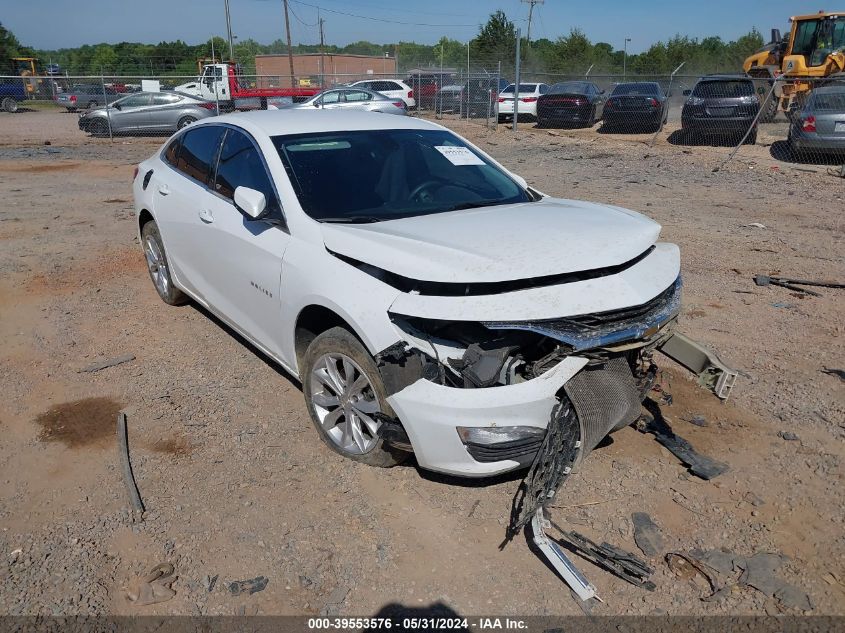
835	89
297	121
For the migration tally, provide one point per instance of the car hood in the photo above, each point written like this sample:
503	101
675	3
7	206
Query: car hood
499	243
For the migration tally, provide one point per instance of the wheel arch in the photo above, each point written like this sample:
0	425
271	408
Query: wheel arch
313	320
143	217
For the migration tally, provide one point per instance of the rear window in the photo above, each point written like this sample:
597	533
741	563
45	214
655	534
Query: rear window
522	88
636	90
828	102
573	87
723	89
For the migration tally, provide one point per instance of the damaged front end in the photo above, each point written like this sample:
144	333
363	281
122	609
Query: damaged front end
494	387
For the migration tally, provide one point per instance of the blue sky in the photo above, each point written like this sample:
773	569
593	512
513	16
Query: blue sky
64	23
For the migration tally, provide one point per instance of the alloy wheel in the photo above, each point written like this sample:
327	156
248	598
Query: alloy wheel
157	265
345	403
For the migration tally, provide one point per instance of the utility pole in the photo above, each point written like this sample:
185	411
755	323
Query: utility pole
516	83
625	59
322	51
290	50
530	4
229	33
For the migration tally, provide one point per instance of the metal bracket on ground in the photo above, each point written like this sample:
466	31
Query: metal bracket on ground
712	373
562	565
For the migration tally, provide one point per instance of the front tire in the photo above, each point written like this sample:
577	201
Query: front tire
9	105
98	127
343	392
159	267
185	121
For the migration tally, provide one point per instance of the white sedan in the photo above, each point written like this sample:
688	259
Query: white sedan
528	95
428	299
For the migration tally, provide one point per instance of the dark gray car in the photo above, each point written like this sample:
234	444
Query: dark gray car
147	112
820	126
86	96
354	99
721	106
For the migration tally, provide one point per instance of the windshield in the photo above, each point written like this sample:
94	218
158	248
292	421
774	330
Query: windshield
648	90
723	89
375	175
522	88
573	87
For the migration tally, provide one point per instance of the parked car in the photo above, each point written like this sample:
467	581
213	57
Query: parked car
636	105
570	103
720	106
449	98
426	85
12	92
479	96
528	95
391	88
820	125
354	99
86	96
152	112
428	299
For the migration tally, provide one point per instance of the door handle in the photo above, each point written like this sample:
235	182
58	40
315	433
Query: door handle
205	216
163	190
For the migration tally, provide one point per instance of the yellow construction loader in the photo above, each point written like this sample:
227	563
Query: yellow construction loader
813	54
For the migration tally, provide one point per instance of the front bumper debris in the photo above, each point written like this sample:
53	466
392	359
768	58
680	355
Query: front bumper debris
712	373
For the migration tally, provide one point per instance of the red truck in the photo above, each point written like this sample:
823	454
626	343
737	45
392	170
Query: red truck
225	83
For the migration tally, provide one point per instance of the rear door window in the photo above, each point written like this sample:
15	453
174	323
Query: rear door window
240	165
171	154
165	99
199	150
356	95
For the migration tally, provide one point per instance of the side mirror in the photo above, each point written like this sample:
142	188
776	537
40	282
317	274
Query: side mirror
316	104
116	106
687	93
250	202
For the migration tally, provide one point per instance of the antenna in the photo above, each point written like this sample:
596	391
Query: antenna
530	4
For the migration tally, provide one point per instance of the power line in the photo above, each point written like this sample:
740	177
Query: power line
367	17
412	11
300	20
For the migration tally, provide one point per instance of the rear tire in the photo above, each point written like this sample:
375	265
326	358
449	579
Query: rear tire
159	267
9	105
185	121
343	388
752	138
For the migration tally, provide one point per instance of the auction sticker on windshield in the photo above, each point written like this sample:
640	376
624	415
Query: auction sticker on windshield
459	155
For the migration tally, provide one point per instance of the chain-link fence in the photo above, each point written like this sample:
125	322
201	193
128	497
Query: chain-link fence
799	121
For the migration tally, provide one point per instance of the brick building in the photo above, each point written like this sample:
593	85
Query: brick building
321	69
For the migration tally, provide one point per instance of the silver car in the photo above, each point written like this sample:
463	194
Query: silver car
820	126
147	112
355	99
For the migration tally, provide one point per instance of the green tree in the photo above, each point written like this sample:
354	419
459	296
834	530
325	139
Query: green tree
495	42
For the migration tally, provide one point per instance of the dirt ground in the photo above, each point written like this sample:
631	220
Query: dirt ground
237	484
